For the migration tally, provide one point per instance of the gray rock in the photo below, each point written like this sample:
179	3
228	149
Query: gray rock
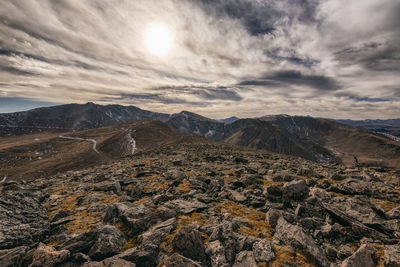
295	190
284	177
217	253
23	219
236	196
48	256
110	262
12	257
354	187
109	242
135	216
394	213
361	258
178	260
155	236
142	256
272	217
392	256
245	258
185	207
262	251
189	243
344	252
358	208
294	236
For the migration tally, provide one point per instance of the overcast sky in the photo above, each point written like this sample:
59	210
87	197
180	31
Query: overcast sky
325	58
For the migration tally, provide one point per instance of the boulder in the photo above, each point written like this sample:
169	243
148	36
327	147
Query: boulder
110	262
361	258
181	261
272	216
284	177
155	236
109	242
185	207
245	258
12	257
142	256
135	216
47	256
295	190
392	256
262	251
294	236
189	243
23	219
216	251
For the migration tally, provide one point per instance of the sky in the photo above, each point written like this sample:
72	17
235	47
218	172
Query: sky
218	58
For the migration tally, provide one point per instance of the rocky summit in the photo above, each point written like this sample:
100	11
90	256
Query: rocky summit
199	202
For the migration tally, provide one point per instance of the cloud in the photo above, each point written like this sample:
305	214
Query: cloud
289	77
229	57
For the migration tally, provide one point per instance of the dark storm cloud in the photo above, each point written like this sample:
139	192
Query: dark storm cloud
290	77
206	93
373	56
260	17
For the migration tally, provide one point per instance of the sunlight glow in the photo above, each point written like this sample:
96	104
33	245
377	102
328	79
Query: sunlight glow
159	40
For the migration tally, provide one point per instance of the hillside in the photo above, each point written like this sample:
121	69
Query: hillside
38	155
198	202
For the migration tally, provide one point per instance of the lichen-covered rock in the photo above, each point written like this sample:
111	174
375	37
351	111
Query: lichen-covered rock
184	207
178	260
294	236
189	243
216	251
392	256
110	262
109	242
12	257
295	190
23	219
245	258
136	216
272	216
262	251
47	256
361	258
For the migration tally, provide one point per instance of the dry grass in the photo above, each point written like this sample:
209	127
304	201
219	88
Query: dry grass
184	187
258	226
380	254
285	255
84	222
155	186
384	204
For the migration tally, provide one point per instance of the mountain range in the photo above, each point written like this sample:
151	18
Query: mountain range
317	139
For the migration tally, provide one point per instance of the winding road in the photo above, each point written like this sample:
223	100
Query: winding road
82	139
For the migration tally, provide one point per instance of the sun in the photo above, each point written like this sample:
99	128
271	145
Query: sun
159	39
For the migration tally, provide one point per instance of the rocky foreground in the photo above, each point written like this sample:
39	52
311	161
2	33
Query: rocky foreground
204	204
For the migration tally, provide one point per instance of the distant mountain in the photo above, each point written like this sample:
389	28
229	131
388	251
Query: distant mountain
391	126
73	117
320	140
191	123
229	120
